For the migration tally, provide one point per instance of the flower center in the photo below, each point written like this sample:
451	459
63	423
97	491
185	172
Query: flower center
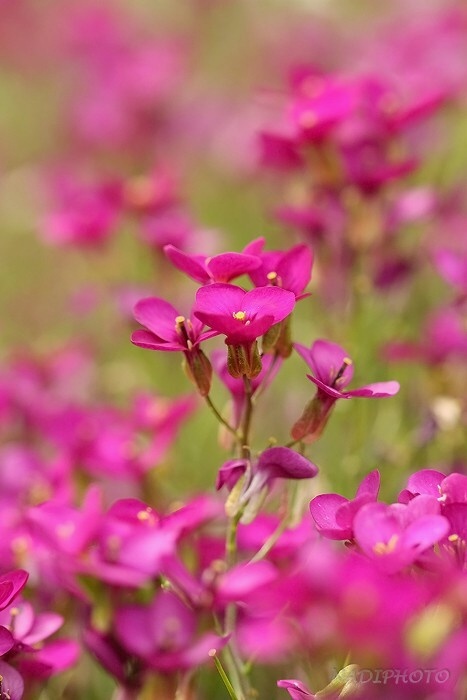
274	279
182	331
239	316
386	547
346	362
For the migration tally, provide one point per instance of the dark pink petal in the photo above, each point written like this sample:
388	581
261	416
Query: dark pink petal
345	514
230	473
379	390
6	640
425	481
10	585
194	655
326	361
24	618
456	513
227	266
44	625
333	393
158	316
284	463
244	580
13	684
375	524
453	489
423	504
279	151
269	301
323	510
165	608
219	299
268	640
147	550
255	247
146	339
370	484
296	689
237	333
294	269
133	630
192	265
52	658
425	532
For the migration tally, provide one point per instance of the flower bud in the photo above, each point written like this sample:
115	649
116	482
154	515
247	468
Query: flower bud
199	370
313	419
244	360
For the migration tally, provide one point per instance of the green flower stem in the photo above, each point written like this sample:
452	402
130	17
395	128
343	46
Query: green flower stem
223	675
220	418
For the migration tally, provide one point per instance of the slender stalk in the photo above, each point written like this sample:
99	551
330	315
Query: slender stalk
246	424
223	675
220	418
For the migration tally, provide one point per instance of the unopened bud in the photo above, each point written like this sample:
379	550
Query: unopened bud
244	360
313	420
199	370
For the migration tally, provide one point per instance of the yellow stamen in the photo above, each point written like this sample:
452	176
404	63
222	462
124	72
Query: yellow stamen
271	276
179	320
386	547
239	315
145	516
453	538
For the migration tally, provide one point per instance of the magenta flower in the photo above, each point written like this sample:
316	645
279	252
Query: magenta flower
289	269
169	331
11	683
163	634
34	657
83	215
10	585
217	268
443	338
452	267
333	514
296	689
273	463
242	316
395	536
332	371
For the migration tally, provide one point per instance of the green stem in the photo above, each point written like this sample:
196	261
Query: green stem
246	424
220	418
224	676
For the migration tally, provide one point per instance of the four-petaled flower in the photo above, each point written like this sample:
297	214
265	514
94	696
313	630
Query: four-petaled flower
332	371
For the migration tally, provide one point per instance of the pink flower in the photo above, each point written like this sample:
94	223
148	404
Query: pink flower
288	269
395	536
332	371
217	268
171	332
242	316
333	514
